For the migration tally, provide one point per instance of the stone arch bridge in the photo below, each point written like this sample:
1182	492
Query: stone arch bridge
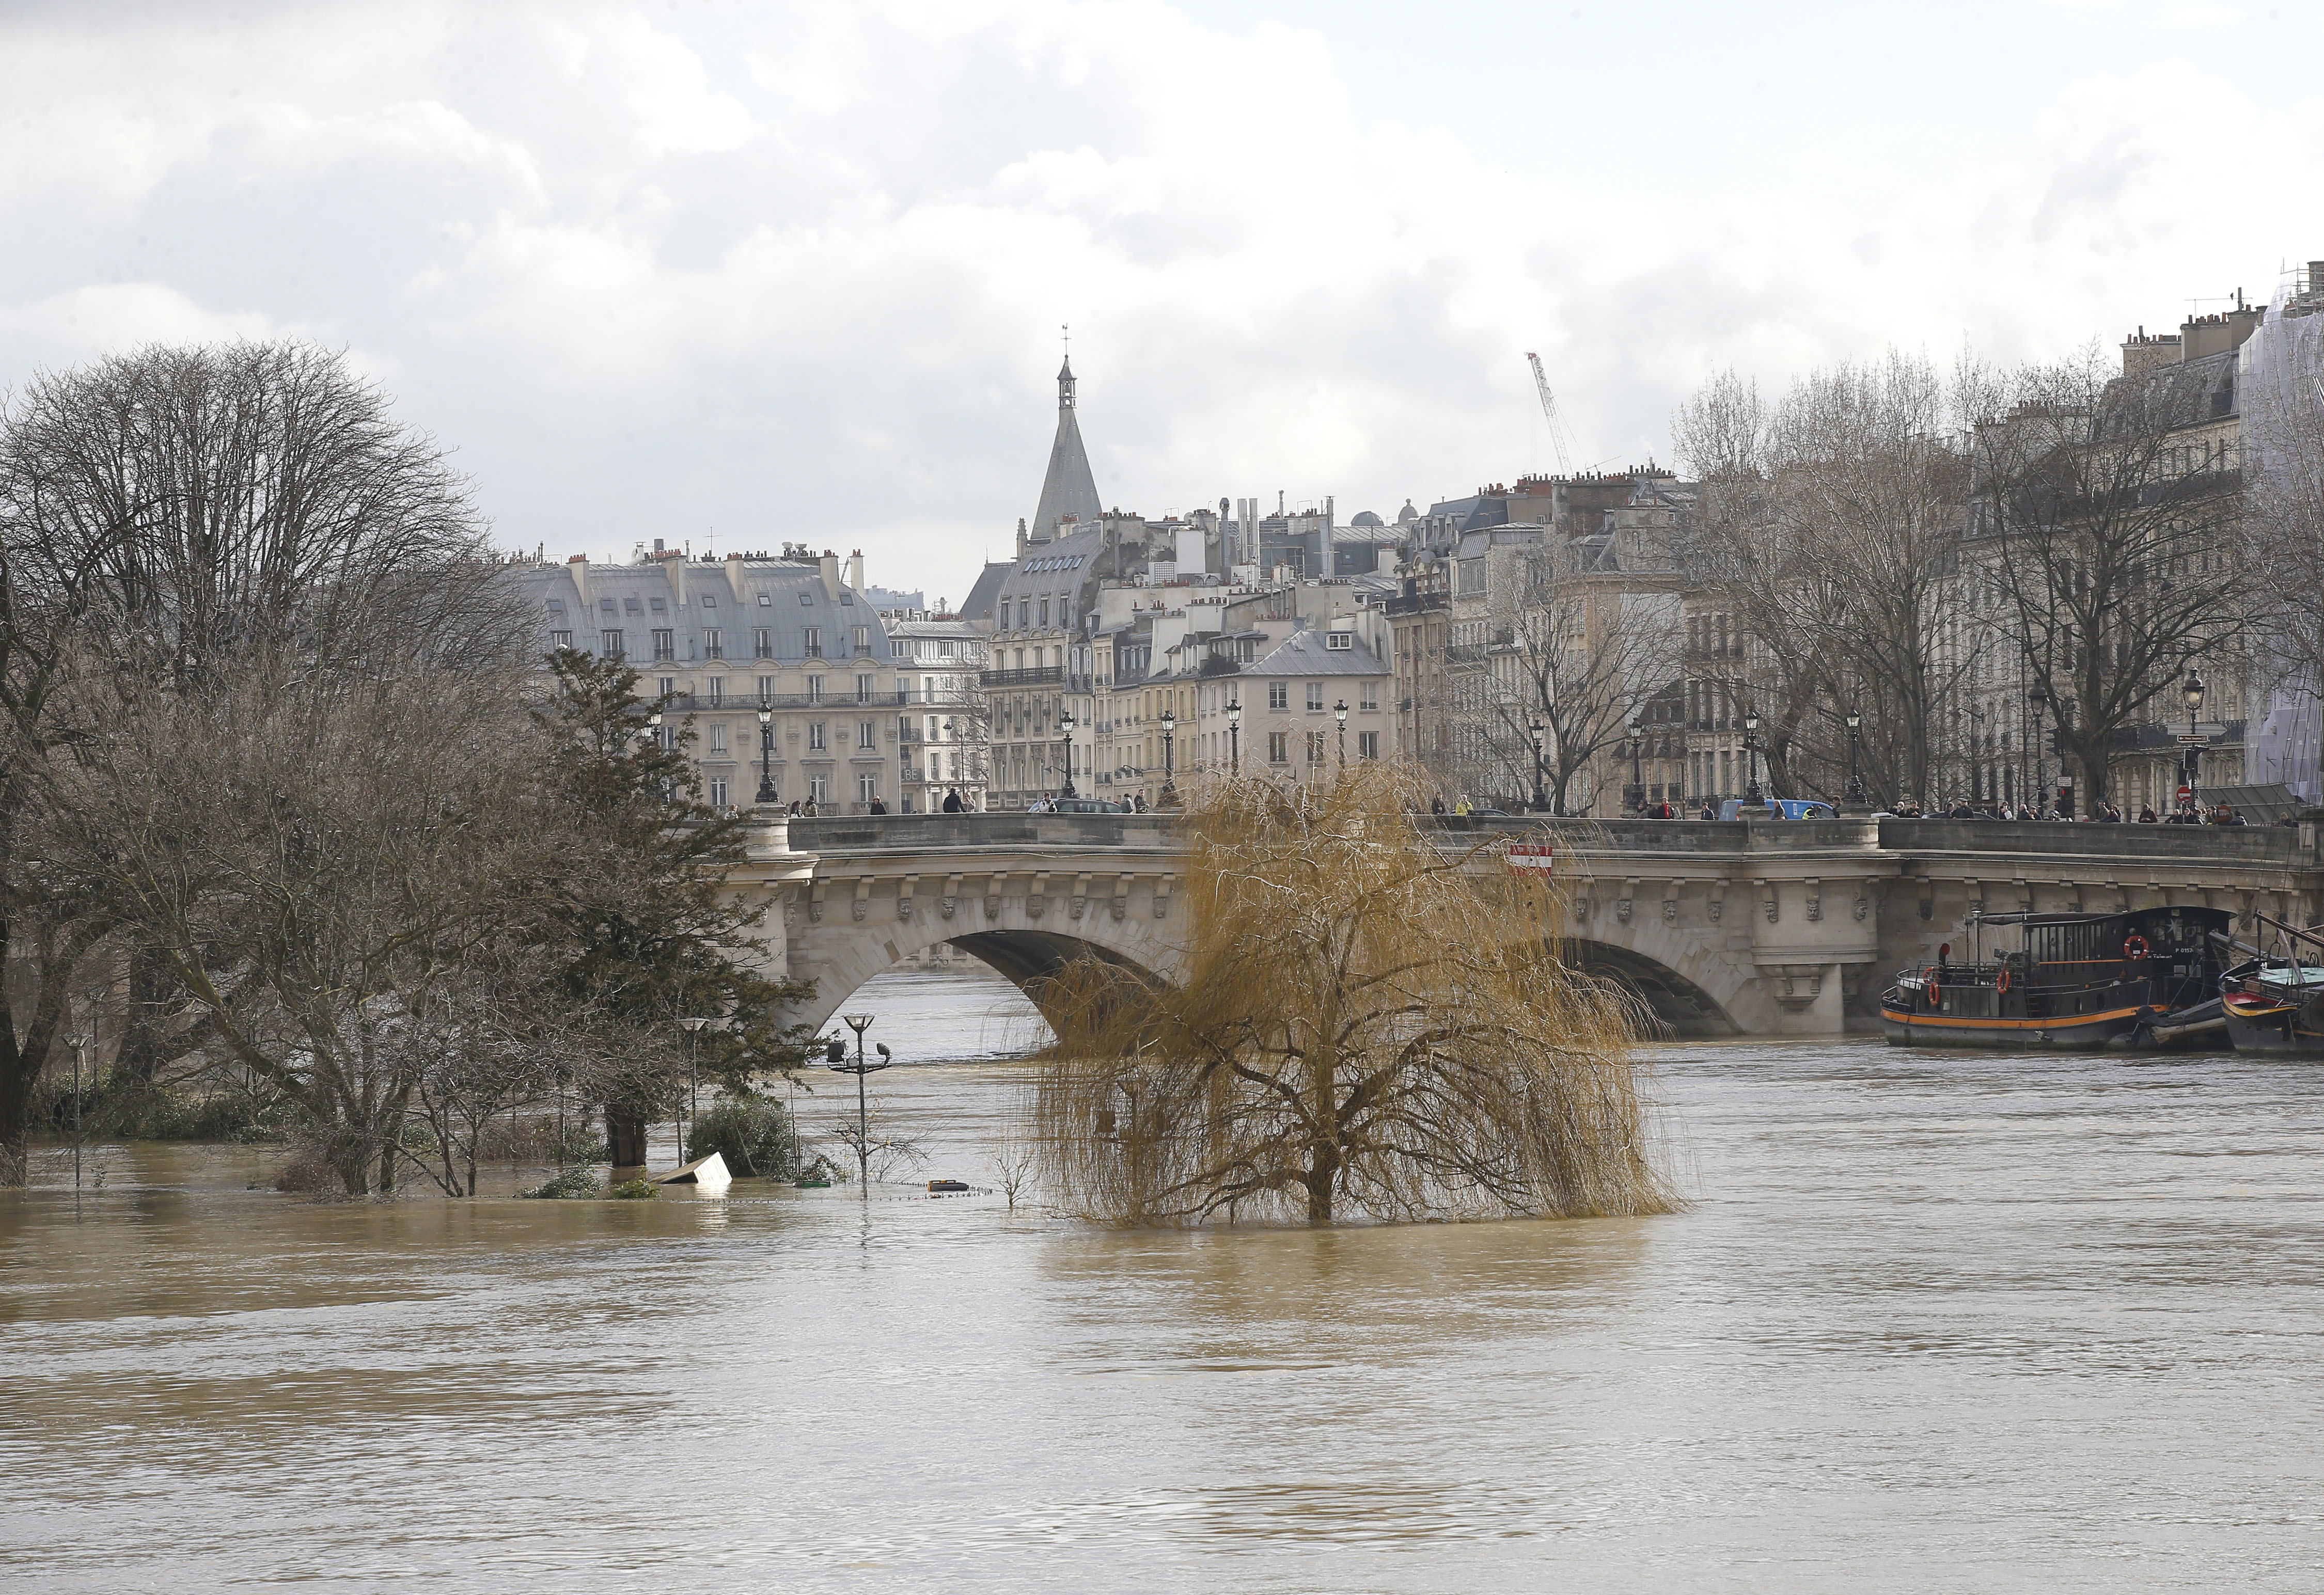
1751	927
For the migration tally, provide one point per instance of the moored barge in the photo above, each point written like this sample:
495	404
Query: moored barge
2276	1003
2080	982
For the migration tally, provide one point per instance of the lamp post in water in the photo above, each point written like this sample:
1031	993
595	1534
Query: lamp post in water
693	1029
835	1058
79	1045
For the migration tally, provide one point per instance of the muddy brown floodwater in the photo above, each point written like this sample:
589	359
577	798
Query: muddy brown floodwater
1935	1324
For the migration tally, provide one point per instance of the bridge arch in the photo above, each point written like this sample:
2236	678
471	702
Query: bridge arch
1024	948
1686	1006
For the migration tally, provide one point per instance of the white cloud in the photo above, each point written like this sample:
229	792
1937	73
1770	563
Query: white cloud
796	271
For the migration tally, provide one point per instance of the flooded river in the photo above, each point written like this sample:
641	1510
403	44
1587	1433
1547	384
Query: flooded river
1934	1324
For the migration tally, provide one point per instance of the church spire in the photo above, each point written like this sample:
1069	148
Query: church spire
1069	489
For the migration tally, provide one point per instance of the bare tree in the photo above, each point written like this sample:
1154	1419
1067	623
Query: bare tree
2109	509
1586	650
1832	523
170	521
1015	1163
334	856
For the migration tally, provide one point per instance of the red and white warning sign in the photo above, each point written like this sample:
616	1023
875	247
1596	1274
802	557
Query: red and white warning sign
1532	855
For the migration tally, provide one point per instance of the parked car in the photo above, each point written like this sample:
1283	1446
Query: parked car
1777	808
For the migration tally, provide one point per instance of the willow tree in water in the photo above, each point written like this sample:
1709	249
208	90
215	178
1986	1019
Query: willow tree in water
1369	1024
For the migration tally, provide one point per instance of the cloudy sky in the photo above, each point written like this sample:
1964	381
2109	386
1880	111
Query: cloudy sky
757	272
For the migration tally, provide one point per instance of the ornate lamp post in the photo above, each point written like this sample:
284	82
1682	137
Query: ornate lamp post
2194	690
1751	793
1638	780
1065	741
1339	713
835	1059
766	754
1234	732
1981	774
2038	695
1169	748
1855	781
1539	733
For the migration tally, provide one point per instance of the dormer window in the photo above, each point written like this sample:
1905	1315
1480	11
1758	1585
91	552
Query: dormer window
807	599
710	600
658	605
1337	640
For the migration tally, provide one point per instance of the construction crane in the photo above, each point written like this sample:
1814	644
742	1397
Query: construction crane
1558	438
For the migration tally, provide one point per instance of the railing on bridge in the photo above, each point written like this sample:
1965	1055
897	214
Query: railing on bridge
2282	845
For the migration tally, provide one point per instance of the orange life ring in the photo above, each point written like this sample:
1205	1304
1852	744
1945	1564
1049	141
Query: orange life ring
2133	945
2001	981
1929	982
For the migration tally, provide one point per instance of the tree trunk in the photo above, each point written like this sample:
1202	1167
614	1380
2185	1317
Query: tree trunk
1321	1176
16	1079
625	1133
351	1160
141	1052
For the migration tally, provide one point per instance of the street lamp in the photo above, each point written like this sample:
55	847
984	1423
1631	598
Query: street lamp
2194	690
1982	775
78	1042
1751	793
835	1059
1638	780
1169	748
693	1029
1855	781
766	754
1066	738
1234	732
2039	696
1339	713
1540	732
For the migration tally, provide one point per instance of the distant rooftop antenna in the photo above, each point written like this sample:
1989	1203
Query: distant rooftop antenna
1557	440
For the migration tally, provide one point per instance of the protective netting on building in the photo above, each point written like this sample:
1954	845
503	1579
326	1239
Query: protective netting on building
2281	381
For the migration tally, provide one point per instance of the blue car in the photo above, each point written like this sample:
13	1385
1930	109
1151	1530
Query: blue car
1777	808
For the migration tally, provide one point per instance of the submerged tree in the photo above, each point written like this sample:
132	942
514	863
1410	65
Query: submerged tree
1367	1027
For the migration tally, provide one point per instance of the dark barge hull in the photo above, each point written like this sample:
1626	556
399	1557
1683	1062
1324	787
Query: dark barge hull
2080	1032
2289	1032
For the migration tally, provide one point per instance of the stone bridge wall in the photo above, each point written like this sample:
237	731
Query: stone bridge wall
1763	927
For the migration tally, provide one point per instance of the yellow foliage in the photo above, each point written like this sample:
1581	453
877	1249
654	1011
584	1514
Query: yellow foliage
1371	1025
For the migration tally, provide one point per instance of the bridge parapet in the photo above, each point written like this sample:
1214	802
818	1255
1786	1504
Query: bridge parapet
1763	925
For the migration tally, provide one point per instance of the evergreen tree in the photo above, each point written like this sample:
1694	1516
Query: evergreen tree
640	922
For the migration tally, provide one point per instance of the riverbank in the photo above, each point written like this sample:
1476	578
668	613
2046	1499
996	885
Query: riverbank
1936	1323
